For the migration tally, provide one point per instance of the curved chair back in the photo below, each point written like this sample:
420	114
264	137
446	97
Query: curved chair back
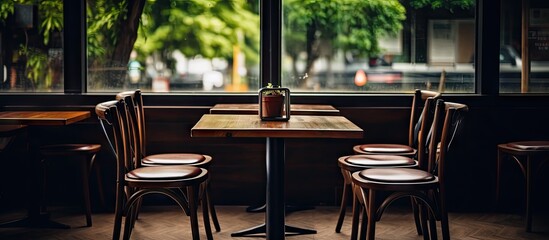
417	114
113	113
136	116
446	125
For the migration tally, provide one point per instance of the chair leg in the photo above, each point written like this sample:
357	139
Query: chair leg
432	226
211	207
206	214
118	212
128	225
423	217
192	195
498	177
99	180
417	220
529	193
85	175
445	225
357	209
363	223
343	206
371	230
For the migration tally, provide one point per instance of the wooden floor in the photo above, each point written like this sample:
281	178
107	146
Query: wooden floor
167	222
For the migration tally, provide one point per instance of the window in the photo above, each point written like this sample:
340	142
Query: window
524	55
31	46
326	46
181	45
379	45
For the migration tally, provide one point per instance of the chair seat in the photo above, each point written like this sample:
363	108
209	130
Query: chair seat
164	173
396	175
174	159
530	145
69	149
380	160
386	148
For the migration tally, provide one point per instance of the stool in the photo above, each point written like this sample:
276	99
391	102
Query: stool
85	153
530	156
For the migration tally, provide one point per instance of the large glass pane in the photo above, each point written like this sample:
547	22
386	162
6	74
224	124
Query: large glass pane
31	46
524	46
378	45
173	45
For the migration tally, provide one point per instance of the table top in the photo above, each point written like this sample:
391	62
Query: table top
42	118
253	108
299	126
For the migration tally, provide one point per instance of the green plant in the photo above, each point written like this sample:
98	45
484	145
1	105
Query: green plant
271	92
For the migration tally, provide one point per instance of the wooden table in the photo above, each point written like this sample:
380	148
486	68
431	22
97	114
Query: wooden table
253	108
299	126
36	218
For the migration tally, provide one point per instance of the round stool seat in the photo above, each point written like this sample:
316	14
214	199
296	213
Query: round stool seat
384	149
174	159
69	149
530	145
396	175
164	172
380	160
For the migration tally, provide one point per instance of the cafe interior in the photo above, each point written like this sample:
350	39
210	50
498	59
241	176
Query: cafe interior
150	119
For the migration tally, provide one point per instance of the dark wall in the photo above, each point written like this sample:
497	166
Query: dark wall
312	175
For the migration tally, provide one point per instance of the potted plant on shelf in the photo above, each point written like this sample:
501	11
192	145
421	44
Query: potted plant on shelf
272	102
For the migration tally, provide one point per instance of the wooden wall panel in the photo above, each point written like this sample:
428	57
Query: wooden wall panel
312	175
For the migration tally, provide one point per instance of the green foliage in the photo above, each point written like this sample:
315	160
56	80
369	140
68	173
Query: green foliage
103	18
446	4
271	92
349	25
51	14
6	9
197	27
36	63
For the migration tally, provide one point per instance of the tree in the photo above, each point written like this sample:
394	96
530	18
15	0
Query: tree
112	30
445	4
195	27
206	28
338	24
42	70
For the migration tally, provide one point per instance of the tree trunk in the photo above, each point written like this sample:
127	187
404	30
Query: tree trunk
128	32
312	52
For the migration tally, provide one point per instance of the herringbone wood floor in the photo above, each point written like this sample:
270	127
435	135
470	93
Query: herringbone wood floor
167	222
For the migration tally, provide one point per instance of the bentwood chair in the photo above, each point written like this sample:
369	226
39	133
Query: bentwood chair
426	184
530	156
133	183
409	150
358	162
83	153
134	101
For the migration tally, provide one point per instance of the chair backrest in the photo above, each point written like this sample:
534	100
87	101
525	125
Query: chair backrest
424	131
114	114
445	127
416	116
136	114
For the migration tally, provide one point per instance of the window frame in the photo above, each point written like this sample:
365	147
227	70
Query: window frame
487	21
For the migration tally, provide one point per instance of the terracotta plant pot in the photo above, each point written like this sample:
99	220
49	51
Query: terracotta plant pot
272	106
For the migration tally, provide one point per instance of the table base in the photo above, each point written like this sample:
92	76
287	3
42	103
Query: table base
39	221
289	231
289	208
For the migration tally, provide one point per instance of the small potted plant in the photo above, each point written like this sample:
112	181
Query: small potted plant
272	102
